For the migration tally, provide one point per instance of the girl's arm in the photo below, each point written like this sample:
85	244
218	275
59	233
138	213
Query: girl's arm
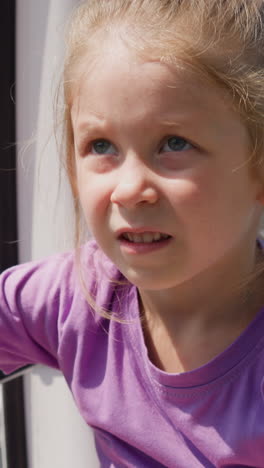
31	300
44	314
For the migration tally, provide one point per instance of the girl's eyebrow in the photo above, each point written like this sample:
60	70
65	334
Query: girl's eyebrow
97	122
89	124
87	127
175	123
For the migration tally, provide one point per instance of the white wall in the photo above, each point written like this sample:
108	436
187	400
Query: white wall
57	436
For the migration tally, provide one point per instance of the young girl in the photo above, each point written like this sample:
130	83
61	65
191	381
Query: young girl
157	324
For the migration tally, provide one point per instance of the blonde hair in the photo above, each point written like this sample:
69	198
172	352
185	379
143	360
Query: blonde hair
221	40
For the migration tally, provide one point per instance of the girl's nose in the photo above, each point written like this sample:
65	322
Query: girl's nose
134	186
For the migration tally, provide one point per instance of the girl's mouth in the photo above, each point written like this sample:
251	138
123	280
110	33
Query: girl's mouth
144	237
139	243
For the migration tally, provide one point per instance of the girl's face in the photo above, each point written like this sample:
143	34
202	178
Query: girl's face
162	170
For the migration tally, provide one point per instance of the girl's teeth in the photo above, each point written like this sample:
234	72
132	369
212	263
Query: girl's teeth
145	238
137	238
157	236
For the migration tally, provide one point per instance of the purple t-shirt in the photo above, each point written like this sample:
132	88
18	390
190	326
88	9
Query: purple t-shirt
142	417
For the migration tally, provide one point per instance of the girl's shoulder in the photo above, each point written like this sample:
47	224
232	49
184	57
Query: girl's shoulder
45	303
86	266
58	284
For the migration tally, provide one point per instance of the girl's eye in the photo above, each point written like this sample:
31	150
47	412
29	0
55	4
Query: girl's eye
176	144
102	147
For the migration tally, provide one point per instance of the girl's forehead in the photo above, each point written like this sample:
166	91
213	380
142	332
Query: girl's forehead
118	73
114	56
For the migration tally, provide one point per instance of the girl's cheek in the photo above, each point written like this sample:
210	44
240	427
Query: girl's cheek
186	191
95	192
98	164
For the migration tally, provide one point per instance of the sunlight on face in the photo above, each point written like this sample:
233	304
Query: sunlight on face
161	161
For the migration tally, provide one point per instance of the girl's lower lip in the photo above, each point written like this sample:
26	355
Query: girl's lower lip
142	247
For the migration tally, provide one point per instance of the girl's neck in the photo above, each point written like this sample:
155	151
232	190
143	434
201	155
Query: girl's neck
183	342
209	313
216	292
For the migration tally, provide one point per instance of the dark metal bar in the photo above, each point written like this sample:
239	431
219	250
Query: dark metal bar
15	436
8	218
12	391
14	375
